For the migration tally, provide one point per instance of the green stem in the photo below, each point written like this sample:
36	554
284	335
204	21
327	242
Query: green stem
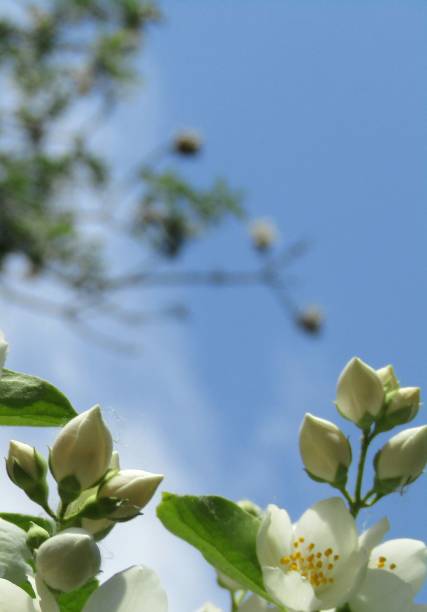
236	599
358	502
50	512
347	496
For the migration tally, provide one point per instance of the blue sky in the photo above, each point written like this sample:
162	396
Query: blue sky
316	109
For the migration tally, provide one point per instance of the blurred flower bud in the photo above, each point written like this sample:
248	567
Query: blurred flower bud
82	450
401	460
66	561
27	469
3	351
311	320
134	488
187	143
325	451
248	506
208	607
36	535
360	393
263	233
388	378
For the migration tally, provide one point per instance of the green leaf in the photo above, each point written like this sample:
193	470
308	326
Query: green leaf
30	401
24	521
74	601
224	534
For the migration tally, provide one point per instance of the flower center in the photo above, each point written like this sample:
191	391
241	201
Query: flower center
383	564
316	566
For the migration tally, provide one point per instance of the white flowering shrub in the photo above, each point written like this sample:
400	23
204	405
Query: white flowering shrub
264	559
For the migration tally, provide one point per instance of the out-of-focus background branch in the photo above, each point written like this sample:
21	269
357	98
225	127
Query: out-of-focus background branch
65	210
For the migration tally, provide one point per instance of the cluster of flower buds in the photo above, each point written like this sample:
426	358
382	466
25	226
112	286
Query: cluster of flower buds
95	494
375	402
366	396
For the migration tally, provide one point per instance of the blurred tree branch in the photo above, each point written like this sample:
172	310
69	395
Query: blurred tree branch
61	60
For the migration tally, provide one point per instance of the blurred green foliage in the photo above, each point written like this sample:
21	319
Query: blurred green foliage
54	56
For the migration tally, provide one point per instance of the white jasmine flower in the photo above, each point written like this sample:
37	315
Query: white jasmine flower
315	564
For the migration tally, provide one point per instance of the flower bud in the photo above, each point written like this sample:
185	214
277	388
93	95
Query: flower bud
263	233
360	393
27	469
401	460
402	407
388	378
67	561
3	351
134	488
325	450
83	449
187	143
36	535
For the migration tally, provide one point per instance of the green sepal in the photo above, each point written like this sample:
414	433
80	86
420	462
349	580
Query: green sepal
340	477
75	600
364	423
39	493
389	485
18	476
399	417
100	508
69	489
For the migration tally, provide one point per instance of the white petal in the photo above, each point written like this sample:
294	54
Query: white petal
346	581
374	535
14	599
290	589
410	557
136	589
382	591
13	553
46	600
329	524
274	536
